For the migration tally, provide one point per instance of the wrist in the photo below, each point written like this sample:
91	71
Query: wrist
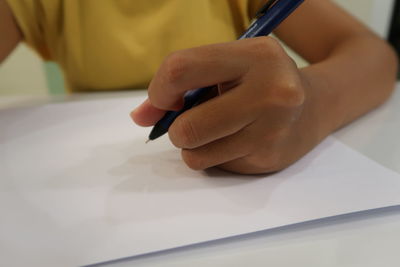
313	122
321	112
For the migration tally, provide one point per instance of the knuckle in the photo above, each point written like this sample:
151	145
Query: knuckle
182	133
266	46
175	66
192	160
287	93
275	136
265	164
292	94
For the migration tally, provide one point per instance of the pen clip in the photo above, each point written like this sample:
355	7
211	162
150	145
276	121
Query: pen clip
265	8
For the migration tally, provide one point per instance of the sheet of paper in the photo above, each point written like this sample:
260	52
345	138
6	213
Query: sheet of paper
78	185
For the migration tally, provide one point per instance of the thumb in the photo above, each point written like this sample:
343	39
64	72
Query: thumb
146	114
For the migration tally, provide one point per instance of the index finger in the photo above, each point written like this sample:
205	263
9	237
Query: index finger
196	68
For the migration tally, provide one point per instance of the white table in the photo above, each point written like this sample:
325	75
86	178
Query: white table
363	239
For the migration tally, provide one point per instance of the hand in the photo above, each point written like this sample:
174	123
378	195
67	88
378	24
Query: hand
261	121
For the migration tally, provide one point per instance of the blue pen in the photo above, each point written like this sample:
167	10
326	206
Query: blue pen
267	19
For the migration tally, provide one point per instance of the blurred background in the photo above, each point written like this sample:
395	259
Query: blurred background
23	73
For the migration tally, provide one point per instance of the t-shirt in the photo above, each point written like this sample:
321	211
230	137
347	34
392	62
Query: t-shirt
119	44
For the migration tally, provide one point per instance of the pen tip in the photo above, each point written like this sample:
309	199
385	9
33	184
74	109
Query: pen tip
148	140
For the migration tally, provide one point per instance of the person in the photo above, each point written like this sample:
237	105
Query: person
268	113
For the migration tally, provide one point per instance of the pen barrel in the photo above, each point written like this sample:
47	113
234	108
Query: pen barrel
191	99
272	17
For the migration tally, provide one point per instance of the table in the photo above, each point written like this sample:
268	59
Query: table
362	239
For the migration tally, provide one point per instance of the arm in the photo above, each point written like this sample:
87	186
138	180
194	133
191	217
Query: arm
10	35
352	70
271	113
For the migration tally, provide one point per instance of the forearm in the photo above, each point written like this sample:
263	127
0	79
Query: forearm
10	35
357	76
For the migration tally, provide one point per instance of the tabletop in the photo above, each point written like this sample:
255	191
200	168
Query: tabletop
362	239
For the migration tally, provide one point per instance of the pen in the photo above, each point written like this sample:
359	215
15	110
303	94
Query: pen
266	20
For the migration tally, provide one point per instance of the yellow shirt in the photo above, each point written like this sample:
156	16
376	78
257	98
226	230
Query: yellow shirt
119	44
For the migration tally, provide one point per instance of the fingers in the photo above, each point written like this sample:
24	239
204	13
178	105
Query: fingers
244	165
146	115
196	68
218	152
212	120
251	150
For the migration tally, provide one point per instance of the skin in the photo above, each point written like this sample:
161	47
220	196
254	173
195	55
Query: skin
272	113
10	35
269	113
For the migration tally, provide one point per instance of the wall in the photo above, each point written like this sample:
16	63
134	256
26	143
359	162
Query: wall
375	13
24	73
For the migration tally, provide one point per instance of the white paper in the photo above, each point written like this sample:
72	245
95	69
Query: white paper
78	185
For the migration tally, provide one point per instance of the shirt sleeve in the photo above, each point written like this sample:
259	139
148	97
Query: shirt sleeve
30	15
